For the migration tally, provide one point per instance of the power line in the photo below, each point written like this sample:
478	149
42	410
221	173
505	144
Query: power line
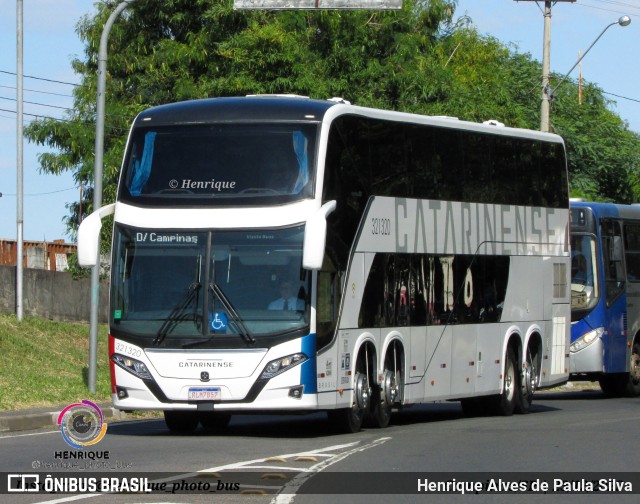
42	116
43	79
606	10
41	92
621	4
36	103
44	193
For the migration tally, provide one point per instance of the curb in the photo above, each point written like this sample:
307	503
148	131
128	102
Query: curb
14	421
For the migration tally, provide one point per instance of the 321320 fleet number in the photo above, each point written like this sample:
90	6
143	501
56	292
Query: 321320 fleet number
380	226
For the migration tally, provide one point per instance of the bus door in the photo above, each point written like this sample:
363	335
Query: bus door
615	336
632	264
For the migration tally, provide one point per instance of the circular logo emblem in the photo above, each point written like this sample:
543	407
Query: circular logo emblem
82	424
173	183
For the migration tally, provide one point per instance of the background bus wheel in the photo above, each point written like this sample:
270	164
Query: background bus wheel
214	423
505	403
633	386
181	421
350	419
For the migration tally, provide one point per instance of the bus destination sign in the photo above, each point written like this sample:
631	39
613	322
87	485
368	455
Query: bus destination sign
316	4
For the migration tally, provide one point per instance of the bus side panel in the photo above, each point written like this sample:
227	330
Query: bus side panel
438	375
489	359
416	360
615	337
524	300
328	369
463	367
555	353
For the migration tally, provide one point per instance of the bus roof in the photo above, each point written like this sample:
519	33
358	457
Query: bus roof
610	209
300	108
250	108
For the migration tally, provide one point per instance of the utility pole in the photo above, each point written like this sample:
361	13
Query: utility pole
545	104
546	58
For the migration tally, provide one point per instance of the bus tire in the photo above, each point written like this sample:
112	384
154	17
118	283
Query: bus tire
350	420
633	385
214	423
380	416
383	398
505	403
182	422
346	420
474	406
527	387
614	384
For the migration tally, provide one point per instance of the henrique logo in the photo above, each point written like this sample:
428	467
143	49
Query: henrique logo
82	424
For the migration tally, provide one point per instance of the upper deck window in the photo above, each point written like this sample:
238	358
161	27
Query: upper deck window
220	164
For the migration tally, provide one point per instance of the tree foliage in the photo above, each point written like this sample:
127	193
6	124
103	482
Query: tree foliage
420	59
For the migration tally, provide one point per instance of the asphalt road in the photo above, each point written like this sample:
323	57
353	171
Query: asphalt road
567	436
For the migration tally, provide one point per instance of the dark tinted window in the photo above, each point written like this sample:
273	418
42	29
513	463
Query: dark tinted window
406	160
219	164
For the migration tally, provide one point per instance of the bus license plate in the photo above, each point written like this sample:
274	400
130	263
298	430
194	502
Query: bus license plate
204	394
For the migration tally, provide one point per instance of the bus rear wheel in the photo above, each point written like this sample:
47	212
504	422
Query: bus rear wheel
182	422
384	397
505	403
528	380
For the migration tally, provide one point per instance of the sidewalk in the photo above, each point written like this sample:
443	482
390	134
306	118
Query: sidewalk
39	418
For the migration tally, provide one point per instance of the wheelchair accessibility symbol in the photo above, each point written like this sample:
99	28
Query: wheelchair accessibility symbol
218	321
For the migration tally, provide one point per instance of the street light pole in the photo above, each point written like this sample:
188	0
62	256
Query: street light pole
20	162
97	188
622	21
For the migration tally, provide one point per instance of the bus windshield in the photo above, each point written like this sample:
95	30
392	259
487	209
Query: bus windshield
177	288
219	164
584	277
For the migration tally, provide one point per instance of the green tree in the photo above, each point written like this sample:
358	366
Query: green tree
183	49
420	59
603	154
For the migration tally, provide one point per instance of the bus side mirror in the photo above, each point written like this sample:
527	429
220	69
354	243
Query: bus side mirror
89	235
315	235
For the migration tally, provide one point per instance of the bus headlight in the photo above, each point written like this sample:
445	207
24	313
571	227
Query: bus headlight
586	339
135	367
278	366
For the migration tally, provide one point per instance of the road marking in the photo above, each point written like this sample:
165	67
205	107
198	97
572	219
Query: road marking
288	492
294	484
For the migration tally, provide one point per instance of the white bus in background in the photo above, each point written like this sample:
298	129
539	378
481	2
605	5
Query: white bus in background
421	259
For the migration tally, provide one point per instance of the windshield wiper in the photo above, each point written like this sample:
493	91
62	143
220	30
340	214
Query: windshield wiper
241	328
176	314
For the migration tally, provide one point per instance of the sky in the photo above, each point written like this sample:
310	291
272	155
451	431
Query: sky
50	43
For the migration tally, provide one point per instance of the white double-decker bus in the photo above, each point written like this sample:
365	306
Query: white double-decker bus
283	254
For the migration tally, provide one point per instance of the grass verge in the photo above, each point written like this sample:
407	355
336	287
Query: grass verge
46	363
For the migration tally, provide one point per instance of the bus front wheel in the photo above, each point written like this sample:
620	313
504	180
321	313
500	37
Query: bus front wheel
350	419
